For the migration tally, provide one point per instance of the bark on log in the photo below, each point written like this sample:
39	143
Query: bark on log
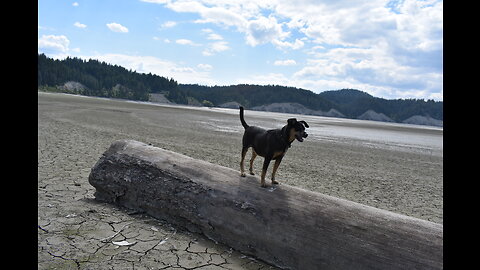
286	226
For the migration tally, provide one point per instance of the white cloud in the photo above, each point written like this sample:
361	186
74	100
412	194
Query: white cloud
205	67
75	4
371	69
214	36
288	45
219	45
215	47
263	30
168	24
289	62
217	15
244	16
80	25
116	27
186	42
388	47
155	65
52	44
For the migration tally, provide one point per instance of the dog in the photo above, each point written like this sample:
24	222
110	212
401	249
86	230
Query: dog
271	144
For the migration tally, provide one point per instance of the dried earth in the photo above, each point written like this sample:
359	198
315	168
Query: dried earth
77	232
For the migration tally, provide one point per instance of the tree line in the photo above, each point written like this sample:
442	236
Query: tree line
350	102
353	103
104	80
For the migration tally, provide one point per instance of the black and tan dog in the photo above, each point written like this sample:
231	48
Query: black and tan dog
270	144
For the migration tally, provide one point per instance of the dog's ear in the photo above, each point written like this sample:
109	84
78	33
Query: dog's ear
291	121
304	123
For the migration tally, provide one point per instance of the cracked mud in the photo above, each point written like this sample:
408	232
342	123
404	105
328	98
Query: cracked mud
77	232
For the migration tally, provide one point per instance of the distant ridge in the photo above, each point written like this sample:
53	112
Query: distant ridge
95	78
374	116
348	103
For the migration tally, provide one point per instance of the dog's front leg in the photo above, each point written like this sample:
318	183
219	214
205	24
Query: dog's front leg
275	167
266	162
254	155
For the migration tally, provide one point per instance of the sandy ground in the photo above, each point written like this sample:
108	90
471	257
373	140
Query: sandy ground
77	232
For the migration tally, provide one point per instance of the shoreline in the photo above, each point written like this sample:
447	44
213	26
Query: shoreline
226	110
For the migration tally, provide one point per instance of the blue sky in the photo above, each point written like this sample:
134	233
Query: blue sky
390	49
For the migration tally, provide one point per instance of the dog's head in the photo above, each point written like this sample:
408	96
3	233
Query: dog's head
297	129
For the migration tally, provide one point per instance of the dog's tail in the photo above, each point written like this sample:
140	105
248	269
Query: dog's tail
244	124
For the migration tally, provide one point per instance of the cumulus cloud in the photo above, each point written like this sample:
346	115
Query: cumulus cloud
215	47
244	16
213	36
80	25
218	44
205	67
52	44
168	24
389	47
186	42
289	62
263	30
116	27
283	45
155	65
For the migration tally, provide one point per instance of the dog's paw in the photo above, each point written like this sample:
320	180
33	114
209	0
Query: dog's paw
243	175
251	173
264	186
275	182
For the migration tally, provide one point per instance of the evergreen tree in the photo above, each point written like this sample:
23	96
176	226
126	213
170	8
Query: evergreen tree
102	79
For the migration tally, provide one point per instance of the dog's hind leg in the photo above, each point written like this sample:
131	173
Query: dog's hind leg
254	155
242	169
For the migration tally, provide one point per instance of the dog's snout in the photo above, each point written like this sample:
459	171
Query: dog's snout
305	135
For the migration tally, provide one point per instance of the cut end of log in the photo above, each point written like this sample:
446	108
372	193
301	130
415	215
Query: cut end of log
286	226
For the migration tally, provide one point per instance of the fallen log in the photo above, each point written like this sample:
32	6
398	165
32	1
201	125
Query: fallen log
285	226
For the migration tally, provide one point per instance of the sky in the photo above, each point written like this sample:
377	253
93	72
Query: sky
389	49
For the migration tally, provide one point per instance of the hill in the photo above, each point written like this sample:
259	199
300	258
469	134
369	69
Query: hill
256	95
349	103
94	78
354	103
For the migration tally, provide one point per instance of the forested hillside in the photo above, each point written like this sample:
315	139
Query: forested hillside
350	102
104	80
255	95
353	103
94	78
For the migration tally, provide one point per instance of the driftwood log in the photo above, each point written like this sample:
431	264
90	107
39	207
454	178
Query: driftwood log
285	226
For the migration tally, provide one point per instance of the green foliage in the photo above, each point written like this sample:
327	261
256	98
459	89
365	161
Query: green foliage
256	95
104	80
207	103
353	102
350	102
